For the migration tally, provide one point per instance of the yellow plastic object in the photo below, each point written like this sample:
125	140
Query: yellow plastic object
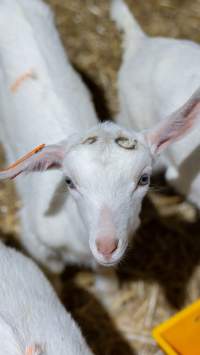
180	335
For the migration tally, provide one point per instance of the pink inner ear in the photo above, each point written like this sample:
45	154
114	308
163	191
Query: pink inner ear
192	113
39	159
174	127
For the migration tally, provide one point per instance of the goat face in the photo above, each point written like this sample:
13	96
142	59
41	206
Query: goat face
108	171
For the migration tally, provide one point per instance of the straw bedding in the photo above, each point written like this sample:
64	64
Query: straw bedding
160	273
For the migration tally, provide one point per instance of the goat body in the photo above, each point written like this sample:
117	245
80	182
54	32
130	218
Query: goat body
156	77
32	319
44	101
41	98
106	168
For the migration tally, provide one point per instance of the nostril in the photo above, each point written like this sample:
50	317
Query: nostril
106	246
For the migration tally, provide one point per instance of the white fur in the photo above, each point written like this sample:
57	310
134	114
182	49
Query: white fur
156	77
40	111
31	316
52	105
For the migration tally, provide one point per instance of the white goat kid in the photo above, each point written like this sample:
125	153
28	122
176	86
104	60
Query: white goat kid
43	100
106	168
32	319
156	77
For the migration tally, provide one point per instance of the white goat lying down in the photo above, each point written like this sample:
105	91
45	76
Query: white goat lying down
156	77
32	319
106	168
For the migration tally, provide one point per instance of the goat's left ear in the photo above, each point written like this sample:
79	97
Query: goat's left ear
39	159
176	125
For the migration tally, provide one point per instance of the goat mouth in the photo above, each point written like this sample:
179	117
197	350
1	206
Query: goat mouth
108	263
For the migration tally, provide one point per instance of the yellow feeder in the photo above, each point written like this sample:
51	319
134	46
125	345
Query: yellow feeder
180	335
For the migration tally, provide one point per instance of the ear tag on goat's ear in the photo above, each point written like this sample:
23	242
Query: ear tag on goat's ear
126	143
26	156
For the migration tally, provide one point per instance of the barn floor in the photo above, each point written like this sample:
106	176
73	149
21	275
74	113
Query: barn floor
160	273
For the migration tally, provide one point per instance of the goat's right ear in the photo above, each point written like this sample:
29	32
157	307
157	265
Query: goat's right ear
177	125
39	159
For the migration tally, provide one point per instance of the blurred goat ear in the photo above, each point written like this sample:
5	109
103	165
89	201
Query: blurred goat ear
176	125
39	159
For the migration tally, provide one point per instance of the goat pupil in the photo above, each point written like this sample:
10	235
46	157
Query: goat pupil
69	183
144	180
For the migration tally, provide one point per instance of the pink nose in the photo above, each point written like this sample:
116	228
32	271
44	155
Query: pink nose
106	246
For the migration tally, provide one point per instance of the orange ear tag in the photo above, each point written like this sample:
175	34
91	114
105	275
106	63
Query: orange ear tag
180	335
34	350
26	156
30	74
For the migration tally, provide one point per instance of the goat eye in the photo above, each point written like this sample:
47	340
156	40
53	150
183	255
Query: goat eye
69	183
144	180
